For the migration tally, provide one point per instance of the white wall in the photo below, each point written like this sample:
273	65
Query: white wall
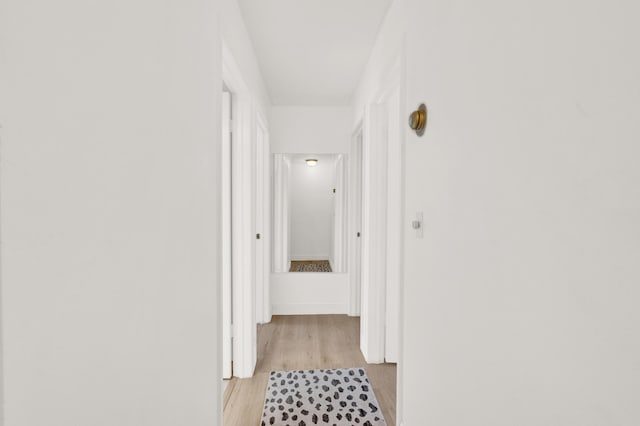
310	129
310	293
520	302
110	117
387	50
311	207
235	35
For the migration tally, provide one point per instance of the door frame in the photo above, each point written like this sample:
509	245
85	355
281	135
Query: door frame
226	261
263	207
395	214
374	214
242	220
354	254
378	116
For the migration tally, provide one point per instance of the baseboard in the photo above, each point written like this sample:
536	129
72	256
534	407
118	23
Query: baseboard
309	309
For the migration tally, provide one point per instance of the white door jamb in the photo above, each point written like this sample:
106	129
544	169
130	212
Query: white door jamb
243	225
372	316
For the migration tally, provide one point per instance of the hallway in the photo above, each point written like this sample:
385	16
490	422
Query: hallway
491	245
305	342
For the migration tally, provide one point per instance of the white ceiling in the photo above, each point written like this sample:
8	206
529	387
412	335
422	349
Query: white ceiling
313	52
301	159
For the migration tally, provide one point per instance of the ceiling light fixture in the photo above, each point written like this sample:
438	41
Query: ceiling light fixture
311	162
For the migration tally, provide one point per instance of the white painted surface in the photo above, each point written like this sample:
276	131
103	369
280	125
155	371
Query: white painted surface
339	223
386	190
281	213
251	101
313	52
355	224
374	235
263	222
388	51
238	41
394	228
303	130
520	303
225	265
311	206
382	60
242	218
307	293
1	304
110	114
267	184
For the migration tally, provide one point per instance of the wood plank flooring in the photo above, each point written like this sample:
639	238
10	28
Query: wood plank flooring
304	342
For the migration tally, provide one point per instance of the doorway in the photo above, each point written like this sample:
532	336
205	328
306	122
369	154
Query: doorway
366	170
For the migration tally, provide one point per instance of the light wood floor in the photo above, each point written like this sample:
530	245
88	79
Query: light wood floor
303	342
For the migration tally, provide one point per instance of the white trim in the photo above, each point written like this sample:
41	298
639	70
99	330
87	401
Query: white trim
310	308
268	210
354	253
225	172
394	78
258	217
244	321
372	316
340	216
394	228
262	219
402	72
281	261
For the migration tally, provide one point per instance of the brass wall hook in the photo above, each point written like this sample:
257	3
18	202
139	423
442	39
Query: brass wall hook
418	119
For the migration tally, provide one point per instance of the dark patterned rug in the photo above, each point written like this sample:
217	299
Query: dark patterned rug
313	267
341	396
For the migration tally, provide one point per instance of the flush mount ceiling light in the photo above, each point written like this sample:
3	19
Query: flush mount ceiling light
311	162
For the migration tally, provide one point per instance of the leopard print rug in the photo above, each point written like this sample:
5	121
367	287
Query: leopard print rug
313	267
338	397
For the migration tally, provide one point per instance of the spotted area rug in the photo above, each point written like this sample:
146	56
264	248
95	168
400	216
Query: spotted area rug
311	267
337	397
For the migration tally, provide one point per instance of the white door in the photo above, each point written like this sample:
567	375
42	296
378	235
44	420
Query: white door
227	343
